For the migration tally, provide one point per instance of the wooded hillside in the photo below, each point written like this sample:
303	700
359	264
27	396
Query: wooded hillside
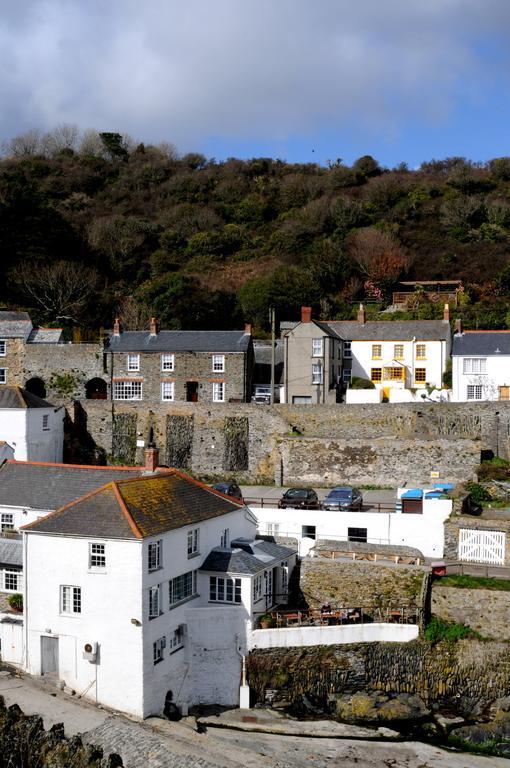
91	225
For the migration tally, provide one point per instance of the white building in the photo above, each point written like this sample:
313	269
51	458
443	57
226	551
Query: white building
144	590
422	529
480	365
32	426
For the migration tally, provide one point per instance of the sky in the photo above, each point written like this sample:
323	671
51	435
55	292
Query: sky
300	80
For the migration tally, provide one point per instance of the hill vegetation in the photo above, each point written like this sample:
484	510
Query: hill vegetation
92	225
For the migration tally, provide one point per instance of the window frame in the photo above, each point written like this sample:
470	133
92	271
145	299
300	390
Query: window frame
390	371
419	355
70	602
155	608
420	380
158	545
46	422
3	375
7	572
158	647
132	362
374	378
317	373
228	587
376	355
168	362
218	391
4	523
164	385
3	347
176	640
469	363
101	556
318	347
218	364
225	538
124	384
193	542
348	350
257	590
475	389
185	585
398	351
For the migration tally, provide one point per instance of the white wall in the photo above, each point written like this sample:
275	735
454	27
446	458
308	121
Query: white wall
363	396
424	532
434	362
23	429
497	375
24	515
110	599
297	637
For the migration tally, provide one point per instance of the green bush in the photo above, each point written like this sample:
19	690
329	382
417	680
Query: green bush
357	382
479	494
494	469
438	630
16	601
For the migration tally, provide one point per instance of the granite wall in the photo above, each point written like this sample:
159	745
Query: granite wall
484	610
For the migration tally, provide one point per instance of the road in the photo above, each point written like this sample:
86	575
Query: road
268	495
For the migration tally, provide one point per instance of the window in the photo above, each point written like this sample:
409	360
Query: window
317	373
376	374
376	351
183	587
421	351
258	583
97	555
167	362
285	577
273	529
177	639
3	347
225	538
346	375
70	599
395	373
167	390
3	375
127	390
357	534
218	392
157	649
420	375
10	580
154	555
45	422
6	521
308	531
475	365
155	601
193	542
474	391
398	351
347	349
224	590
317	347
218	363
133	362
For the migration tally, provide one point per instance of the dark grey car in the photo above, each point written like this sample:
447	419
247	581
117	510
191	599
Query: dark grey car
343	497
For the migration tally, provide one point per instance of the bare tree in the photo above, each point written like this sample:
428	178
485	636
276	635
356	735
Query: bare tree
134	315
26	145
91	144
377	255
62	290
63	137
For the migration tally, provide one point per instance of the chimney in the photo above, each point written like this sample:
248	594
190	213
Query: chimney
306	314
116	327
151	454
153	327
446	313
247	329
361	314
458	326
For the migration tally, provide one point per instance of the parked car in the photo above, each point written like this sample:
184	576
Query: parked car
261	399
343	497
230	489
299	498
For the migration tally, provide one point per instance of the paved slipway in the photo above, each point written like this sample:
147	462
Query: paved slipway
236	739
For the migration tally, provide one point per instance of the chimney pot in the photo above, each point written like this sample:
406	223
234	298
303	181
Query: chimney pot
446	313
361	314
458	326
247	328
306	314
116	327
153	327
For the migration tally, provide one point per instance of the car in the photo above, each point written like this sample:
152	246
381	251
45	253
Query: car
261	399
343	497
299	498
230	489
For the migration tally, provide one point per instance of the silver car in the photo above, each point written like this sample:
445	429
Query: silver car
343	497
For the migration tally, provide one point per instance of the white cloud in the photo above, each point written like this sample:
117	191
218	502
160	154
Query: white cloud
270	69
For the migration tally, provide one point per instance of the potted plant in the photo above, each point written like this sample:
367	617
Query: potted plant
265	621
16	602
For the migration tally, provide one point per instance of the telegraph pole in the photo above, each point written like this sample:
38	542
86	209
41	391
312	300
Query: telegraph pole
272	316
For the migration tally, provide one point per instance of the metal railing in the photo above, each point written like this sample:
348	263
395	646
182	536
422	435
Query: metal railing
330	616
372	506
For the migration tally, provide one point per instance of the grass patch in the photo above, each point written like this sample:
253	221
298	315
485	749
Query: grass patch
438	630
489	747
474	582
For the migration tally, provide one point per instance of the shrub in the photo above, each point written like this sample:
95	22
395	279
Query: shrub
16	601
495	469
438	630
479	494
357	382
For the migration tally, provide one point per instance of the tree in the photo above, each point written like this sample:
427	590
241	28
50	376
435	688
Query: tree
134	314
367	166
114	144
62	290
379	257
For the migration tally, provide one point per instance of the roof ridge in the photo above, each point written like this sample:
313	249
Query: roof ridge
74	466
125	511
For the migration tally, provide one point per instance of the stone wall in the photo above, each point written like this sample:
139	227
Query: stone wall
14	362
453	525
465	676
361	584
65	368
484	610
24	742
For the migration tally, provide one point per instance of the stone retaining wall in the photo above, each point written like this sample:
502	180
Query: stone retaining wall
484	610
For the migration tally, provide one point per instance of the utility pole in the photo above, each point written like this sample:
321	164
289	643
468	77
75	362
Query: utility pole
272	316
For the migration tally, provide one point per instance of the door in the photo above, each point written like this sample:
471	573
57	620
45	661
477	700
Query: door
504	393
482	546
192	391
49	654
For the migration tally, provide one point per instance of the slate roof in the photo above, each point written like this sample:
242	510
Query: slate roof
262	368
137	508
15	325
389	330
50	486
17	397
46	336
179	341
246	557
11	552
486	343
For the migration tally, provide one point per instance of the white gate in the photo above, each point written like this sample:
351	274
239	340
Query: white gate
482	546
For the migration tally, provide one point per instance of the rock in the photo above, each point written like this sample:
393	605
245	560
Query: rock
373	707
447	722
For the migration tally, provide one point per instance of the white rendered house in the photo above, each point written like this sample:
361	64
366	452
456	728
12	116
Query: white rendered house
144	590
480	365
32	426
